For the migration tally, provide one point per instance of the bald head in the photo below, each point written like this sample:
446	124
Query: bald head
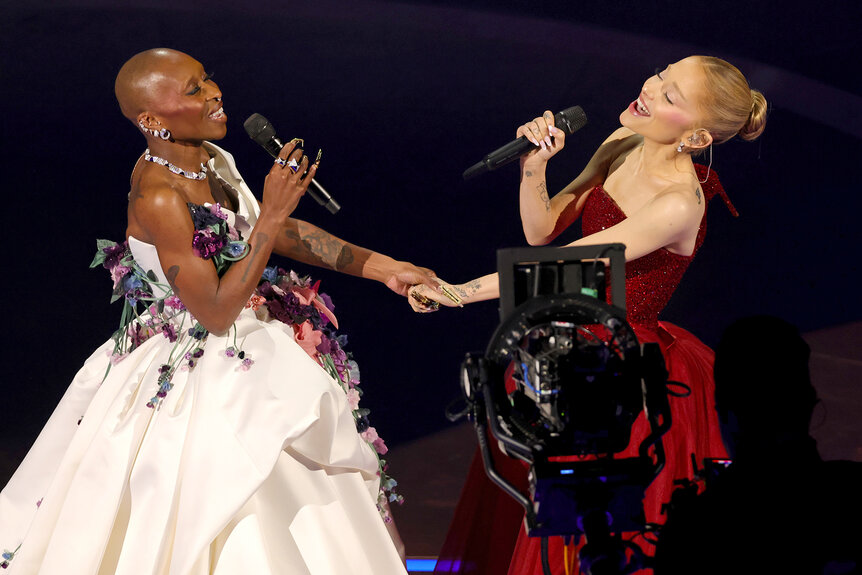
140	78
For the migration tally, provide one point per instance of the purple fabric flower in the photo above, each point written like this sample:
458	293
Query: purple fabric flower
325	346
138	334
113	255
174	302
169	331
206	243
218	212
327	301
203	217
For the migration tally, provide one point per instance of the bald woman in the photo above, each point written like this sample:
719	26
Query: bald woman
212	434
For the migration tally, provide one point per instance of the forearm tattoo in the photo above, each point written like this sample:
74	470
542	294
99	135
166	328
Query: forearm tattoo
543	195
261	239
312	244
697	193
469	288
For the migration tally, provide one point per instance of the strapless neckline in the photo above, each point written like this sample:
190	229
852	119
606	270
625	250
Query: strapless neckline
623	216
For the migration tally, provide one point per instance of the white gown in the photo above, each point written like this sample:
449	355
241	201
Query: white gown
238	472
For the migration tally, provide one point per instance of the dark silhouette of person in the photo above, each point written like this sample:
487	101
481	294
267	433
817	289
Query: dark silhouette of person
778	507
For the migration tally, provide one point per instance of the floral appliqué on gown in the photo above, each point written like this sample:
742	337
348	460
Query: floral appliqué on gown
177	451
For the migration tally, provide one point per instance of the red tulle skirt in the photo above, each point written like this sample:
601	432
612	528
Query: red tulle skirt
487	535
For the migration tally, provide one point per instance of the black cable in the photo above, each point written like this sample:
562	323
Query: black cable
546	564
686	390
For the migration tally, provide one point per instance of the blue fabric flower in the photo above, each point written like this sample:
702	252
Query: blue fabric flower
270	274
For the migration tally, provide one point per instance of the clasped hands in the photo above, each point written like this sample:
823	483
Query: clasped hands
424	299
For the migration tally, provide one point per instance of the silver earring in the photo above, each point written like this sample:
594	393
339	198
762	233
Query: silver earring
147	130
681	146
165	134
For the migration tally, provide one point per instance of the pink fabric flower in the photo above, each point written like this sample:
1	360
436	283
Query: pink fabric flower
255	301
353	399
380	446
308	296
370	435
118	273
307	338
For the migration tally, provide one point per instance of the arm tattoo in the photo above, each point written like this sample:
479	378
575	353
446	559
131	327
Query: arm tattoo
528	174
543	195
469	288
261	238
697	193
310	243
171	276
345	258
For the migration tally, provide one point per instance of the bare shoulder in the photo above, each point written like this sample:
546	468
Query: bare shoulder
156	208
680	201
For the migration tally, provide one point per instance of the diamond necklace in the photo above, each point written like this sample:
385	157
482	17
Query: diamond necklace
202	175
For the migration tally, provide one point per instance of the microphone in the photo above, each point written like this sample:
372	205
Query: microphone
261	131
569	120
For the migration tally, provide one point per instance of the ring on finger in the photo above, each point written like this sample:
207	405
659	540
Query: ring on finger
293	165
424	301
281	162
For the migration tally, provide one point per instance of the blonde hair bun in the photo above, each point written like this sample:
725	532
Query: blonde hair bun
756	122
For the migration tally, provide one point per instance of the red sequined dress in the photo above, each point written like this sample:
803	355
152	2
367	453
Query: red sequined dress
483	545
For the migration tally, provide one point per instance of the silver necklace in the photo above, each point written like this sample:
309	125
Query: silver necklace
202	175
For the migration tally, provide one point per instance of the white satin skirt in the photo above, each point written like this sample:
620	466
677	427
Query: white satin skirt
239	472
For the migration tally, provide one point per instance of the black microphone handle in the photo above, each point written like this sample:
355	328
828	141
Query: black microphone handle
569	121
315	190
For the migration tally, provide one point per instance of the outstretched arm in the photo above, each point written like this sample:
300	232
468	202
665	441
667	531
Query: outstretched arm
483	288
309	244
670	220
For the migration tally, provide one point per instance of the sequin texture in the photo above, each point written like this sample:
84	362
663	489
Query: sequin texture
651	279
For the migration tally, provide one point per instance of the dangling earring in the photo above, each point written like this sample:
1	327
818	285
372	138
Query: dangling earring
165	134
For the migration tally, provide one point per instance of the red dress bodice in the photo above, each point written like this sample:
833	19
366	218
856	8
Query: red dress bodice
651	279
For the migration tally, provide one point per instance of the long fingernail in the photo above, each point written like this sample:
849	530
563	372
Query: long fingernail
319	154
